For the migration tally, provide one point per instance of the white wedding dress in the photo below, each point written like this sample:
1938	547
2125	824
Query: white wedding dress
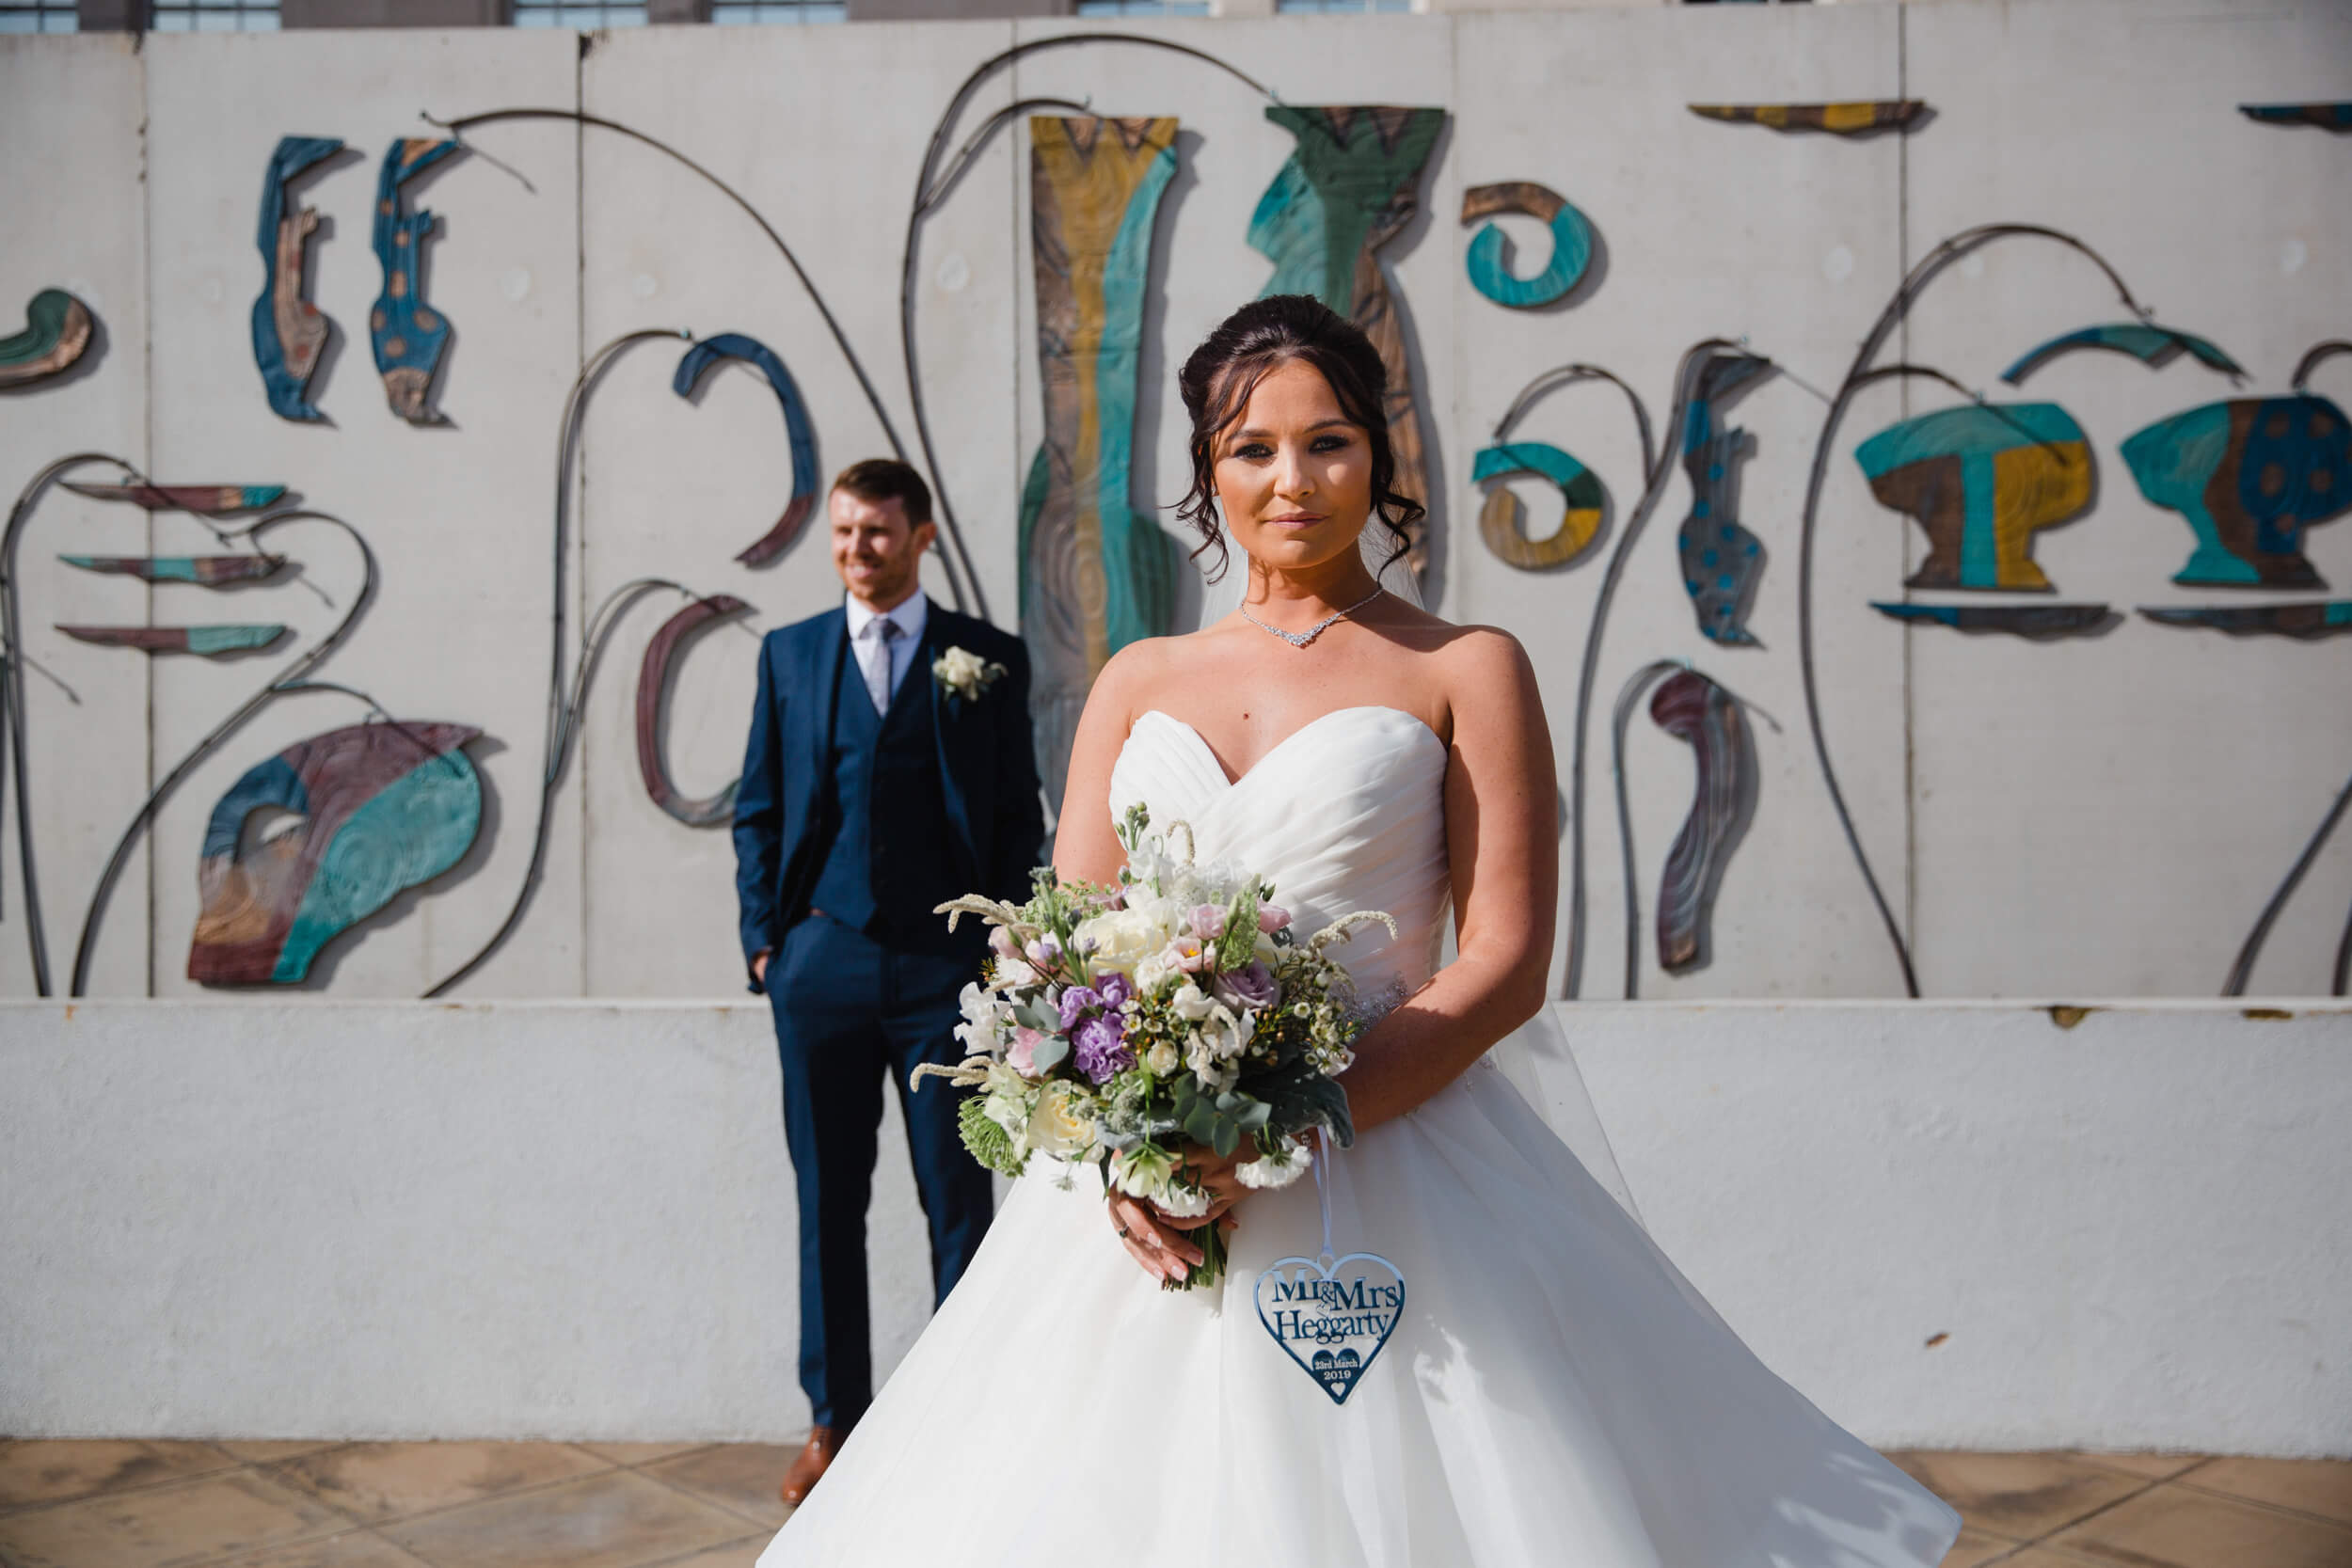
1555	1393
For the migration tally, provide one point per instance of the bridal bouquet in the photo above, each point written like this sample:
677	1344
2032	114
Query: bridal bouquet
1118	1023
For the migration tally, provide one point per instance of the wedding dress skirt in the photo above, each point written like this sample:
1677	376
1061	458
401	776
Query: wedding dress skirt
1555	1392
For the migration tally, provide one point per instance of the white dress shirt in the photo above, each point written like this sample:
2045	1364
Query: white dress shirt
910	616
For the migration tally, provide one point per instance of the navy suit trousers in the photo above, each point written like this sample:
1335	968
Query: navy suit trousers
850	1012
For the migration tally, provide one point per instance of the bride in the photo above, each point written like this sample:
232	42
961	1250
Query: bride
1555	1392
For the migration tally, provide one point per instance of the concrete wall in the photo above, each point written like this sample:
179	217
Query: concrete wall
2102	817
1949	1225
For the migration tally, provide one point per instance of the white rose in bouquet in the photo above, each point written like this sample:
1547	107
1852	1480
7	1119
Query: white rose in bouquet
1117	941
1060	1126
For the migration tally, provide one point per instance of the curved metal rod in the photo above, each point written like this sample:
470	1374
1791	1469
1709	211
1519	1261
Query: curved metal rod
1564	375
977	139
1653	490
601	625
2243	970
929	188
84	948
857	367
2344	959
12	729
557	743
2303	369
1858	375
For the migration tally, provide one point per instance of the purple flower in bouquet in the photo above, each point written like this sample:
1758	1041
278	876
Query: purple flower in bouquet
1076	1002
1043	950
1252	985
1208	922
1099	1048
1116	990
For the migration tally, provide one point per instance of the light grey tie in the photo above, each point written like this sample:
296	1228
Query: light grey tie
878	634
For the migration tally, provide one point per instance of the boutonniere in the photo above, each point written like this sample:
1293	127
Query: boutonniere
965	673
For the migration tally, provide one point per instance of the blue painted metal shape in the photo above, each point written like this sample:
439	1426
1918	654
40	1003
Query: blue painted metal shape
407	334
289	333
801	437
1721	560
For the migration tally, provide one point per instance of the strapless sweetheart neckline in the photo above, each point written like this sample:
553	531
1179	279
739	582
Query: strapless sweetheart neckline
1234	780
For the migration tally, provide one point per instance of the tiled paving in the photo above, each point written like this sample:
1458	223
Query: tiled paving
132	1504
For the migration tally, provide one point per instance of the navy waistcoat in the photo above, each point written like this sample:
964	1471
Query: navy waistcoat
893	857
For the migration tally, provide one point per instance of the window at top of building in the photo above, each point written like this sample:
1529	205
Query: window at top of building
37	16
214	16
1143	7
1341	7
580	18
752	13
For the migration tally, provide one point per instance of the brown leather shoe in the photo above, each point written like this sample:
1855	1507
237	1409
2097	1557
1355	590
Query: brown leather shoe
809	1466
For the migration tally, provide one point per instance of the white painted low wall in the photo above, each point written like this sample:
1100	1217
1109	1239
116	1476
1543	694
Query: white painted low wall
574	1219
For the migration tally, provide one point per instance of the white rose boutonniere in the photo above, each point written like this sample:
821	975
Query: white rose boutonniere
965	672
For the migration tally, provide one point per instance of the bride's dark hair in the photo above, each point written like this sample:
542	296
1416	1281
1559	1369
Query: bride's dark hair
1248	345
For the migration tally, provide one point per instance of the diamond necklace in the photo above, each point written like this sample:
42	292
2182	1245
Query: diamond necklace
1300	638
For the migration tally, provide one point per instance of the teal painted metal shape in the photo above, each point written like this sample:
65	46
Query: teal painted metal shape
1571	244
2152	345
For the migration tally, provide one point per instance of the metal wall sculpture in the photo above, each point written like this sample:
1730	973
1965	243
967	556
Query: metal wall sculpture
653	697
1692	708
2310	621
800	437
1721	559
205	570
289	333
2327	117
407	334
1350	187
1571	244
2248	476
1981	480
57	332
1841	119
205	642
205	500
1095	574
1502	520
2035	622
382	807
2152	345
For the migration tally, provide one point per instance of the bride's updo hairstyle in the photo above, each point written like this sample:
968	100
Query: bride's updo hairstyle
1224	369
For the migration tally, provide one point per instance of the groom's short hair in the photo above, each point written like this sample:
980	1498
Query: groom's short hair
876	480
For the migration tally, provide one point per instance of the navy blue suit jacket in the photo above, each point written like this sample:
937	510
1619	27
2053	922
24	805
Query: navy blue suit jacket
784	808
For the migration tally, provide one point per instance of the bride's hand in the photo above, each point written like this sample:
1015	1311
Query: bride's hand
1154	1240
1214	1173
1158	1241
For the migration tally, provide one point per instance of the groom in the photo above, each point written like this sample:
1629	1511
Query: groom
889	769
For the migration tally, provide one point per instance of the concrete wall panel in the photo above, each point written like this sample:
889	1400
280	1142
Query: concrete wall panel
2111	814
2101	815
789	117
1785	241
457	514
573	1220
73	186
